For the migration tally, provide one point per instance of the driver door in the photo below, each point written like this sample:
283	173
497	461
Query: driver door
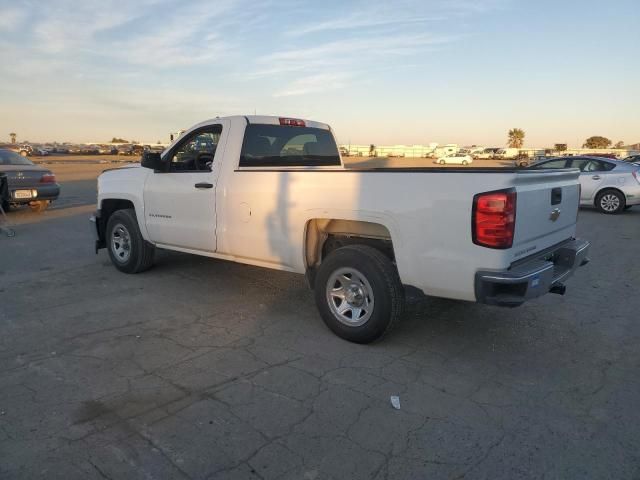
179	201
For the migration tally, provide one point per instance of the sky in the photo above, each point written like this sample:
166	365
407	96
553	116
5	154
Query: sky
378	71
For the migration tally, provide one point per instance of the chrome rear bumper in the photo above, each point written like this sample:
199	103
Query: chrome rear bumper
532	277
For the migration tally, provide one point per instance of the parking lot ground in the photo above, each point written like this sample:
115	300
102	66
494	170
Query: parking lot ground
201	368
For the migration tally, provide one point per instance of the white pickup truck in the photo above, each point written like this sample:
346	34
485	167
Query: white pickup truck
273	192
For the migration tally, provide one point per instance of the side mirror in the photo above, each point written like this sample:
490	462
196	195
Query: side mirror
152	160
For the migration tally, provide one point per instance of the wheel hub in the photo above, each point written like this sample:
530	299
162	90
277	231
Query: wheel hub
121	243
354	295
350	296
610	202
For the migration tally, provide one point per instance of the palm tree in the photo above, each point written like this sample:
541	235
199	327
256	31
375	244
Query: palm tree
516	138
13	137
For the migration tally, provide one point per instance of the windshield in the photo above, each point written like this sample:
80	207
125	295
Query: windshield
7	157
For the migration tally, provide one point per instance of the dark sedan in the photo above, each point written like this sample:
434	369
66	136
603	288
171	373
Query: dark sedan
28	183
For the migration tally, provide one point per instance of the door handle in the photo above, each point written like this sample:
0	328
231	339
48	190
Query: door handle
596	177
203	185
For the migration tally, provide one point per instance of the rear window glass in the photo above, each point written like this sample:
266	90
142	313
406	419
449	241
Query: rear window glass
7	157
285	146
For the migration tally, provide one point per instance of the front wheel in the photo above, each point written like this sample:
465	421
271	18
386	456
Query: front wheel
610	202
129	252
358	293
442	162
465	163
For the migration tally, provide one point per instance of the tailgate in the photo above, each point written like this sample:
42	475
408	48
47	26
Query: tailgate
546	211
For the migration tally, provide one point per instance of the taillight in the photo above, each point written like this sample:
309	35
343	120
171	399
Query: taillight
636	174
48	178
292	122
494	219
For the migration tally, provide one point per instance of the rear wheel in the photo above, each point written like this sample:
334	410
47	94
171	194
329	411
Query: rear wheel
39	206
442	162
358	293
464	162
129	252
610	202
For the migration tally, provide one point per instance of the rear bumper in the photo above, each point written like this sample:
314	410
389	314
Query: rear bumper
532	277
632	195
43	192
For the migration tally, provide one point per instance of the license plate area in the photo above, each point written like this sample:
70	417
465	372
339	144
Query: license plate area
22	194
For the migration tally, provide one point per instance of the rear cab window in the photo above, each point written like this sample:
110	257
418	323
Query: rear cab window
288	146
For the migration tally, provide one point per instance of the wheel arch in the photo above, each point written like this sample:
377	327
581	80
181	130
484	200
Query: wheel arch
323	235
107	206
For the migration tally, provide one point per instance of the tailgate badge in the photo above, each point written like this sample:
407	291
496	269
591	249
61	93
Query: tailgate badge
555	214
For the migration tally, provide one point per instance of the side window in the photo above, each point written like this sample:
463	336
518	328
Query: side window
560	163
196	152
598	166
580	163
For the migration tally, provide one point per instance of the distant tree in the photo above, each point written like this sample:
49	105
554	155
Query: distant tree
372	150
560	147
13	137
619	144
597	142
516	138
118	140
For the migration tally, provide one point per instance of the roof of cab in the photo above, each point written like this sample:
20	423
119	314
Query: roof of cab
264	120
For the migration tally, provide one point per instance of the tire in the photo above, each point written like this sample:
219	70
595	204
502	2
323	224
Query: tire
611	202
39	206
129	252
24	153
442	162
370	280
465	163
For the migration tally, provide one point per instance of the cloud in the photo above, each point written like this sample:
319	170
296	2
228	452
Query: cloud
358	21
12	18
314	84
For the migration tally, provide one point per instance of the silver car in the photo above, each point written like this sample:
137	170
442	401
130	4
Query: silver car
612	186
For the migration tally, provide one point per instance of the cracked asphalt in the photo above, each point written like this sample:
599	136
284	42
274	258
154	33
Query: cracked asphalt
202	369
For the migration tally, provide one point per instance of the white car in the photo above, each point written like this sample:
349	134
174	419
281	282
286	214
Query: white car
612	186
273	192
456	159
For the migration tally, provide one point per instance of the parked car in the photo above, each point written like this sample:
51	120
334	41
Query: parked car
25	150
278	196
612	186
507	153
28	183
89	150
456	159
632	159
487	153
